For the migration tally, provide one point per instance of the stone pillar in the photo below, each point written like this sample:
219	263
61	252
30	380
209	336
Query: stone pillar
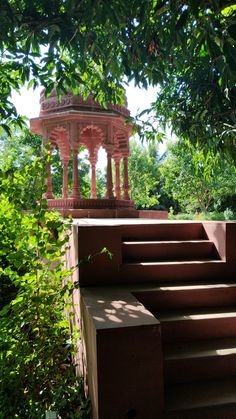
126	179
117	168
48	194
93	162
75	175
109	193
65	179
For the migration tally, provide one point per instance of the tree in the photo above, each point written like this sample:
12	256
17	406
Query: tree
186	47
144	175
197	180
198	96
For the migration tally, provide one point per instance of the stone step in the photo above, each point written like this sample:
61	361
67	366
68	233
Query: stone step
164	231
168	250
186	270
202	400
193	324
196	294
200	360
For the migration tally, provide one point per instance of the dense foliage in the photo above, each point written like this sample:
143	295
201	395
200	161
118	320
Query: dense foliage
197	181
144	175
187	47
17	153
198	95
84	176
21	147
36	338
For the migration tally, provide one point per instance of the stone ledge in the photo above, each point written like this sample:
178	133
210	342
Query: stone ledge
115	308
121	354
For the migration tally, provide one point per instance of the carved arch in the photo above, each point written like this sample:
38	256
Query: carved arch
92	137
59	136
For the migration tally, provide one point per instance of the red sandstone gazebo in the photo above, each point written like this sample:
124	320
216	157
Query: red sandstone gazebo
71	122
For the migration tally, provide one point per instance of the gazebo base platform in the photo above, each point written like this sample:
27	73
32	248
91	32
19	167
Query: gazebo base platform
99	213
113	213
90	203
102	208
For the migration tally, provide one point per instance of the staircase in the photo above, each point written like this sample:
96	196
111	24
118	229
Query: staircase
187	293
165	252
164	309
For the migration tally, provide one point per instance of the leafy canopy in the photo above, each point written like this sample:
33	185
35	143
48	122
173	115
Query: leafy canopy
187	47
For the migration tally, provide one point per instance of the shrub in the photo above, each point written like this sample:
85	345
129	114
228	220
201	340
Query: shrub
228	214
36	340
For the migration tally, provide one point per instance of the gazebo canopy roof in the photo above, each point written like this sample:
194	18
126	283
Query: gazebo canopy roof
71	102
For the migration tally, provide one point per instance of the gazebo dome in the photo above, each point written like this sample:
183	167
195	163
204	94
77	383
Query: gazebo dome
71	102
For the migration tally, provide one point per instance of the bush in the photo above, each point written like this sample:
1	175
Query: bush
228	214
184	216
214	216
179	216
36	340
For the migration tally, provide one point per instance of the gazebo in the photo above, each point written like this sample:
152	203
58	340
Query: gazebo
72	121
